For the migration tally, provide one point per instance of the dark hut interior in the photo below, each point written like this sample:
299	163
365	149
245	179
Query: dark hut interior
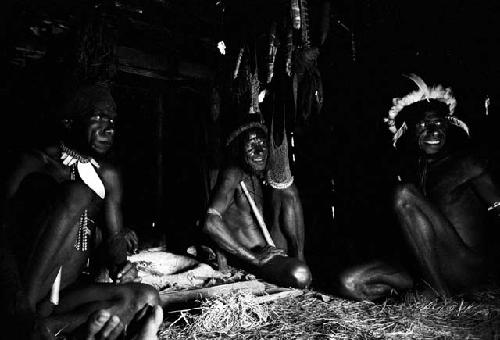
163	60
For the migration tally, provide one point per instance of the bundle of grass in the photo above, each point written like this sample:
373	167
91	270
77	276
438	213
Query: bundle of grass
231	312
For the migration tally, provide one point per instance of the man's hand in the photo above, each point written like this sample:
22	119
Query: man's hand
265	254
131	239
128	273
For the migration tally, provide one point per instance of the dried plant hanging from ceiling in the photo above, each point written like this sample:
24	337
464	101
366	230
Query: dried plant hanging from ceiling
289	37
246	86
290	82
307	84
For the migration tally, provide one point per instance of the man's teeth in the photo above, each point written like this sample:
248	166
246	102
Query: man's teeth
432	142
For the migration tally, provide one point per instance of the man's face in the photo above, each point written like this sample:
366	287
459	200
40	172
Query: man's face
101	127
431	133
94	133
255	150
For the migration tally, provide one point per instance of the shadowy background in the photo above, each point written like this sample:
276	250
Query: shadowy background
166	64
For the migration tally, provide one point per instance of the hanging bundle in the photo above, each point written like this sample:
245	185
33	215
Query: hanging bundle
273	49
289	48
238	63
304	17
295	13
254	88
279	175
241	85
325	22
247	84
307	84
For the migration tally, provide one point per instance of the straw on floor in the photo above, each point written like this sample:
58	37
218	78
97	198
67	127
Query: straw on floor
317	316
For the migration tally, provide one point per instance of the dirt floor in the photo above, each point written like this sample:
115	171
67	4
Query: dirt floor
318	316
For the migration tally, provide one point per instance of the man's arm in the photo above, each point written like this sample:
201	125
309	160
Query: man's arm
214	227
487	189
116	246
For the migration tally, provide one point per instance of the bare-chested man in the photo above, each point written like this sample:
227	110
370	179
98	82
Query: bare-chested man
233	224
55	197
442	202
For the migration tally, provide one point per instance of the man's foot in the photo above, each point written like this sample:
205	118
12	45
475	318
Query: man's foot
103	325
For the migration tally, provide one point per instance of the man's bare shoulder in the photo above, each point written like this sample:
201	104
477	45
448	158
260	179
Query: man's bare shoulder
231	176
30	160
110	174
471	165
109	168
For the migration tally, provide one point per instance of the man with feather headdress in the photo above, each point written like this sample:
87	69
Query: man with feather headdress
442	201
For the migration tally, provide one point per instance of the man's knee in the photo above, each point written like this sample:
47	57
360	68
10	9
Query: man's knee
301	276
404	195
134	296
146	294
286	271
349	282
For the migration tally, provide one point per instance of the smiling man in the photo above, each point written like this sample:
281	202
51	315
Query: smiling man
442	202
231	222
57	197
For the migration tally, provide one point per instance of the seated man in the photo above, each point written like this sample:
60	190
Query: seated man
441	204
235	222
54	199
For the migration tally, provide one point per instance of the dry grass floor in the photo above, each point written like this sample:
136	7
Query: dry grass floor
317	316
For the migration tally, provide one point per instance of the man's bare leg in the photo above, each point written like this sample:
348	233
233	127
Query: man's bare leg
445	260
372	281
122	300
53	237
288	222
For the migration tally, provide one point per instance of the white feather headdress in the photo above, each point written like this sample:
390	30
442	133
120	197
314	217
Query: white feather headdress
424	92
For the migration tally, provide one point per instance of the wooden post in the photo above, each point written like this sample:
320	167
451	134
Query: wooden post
160	111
